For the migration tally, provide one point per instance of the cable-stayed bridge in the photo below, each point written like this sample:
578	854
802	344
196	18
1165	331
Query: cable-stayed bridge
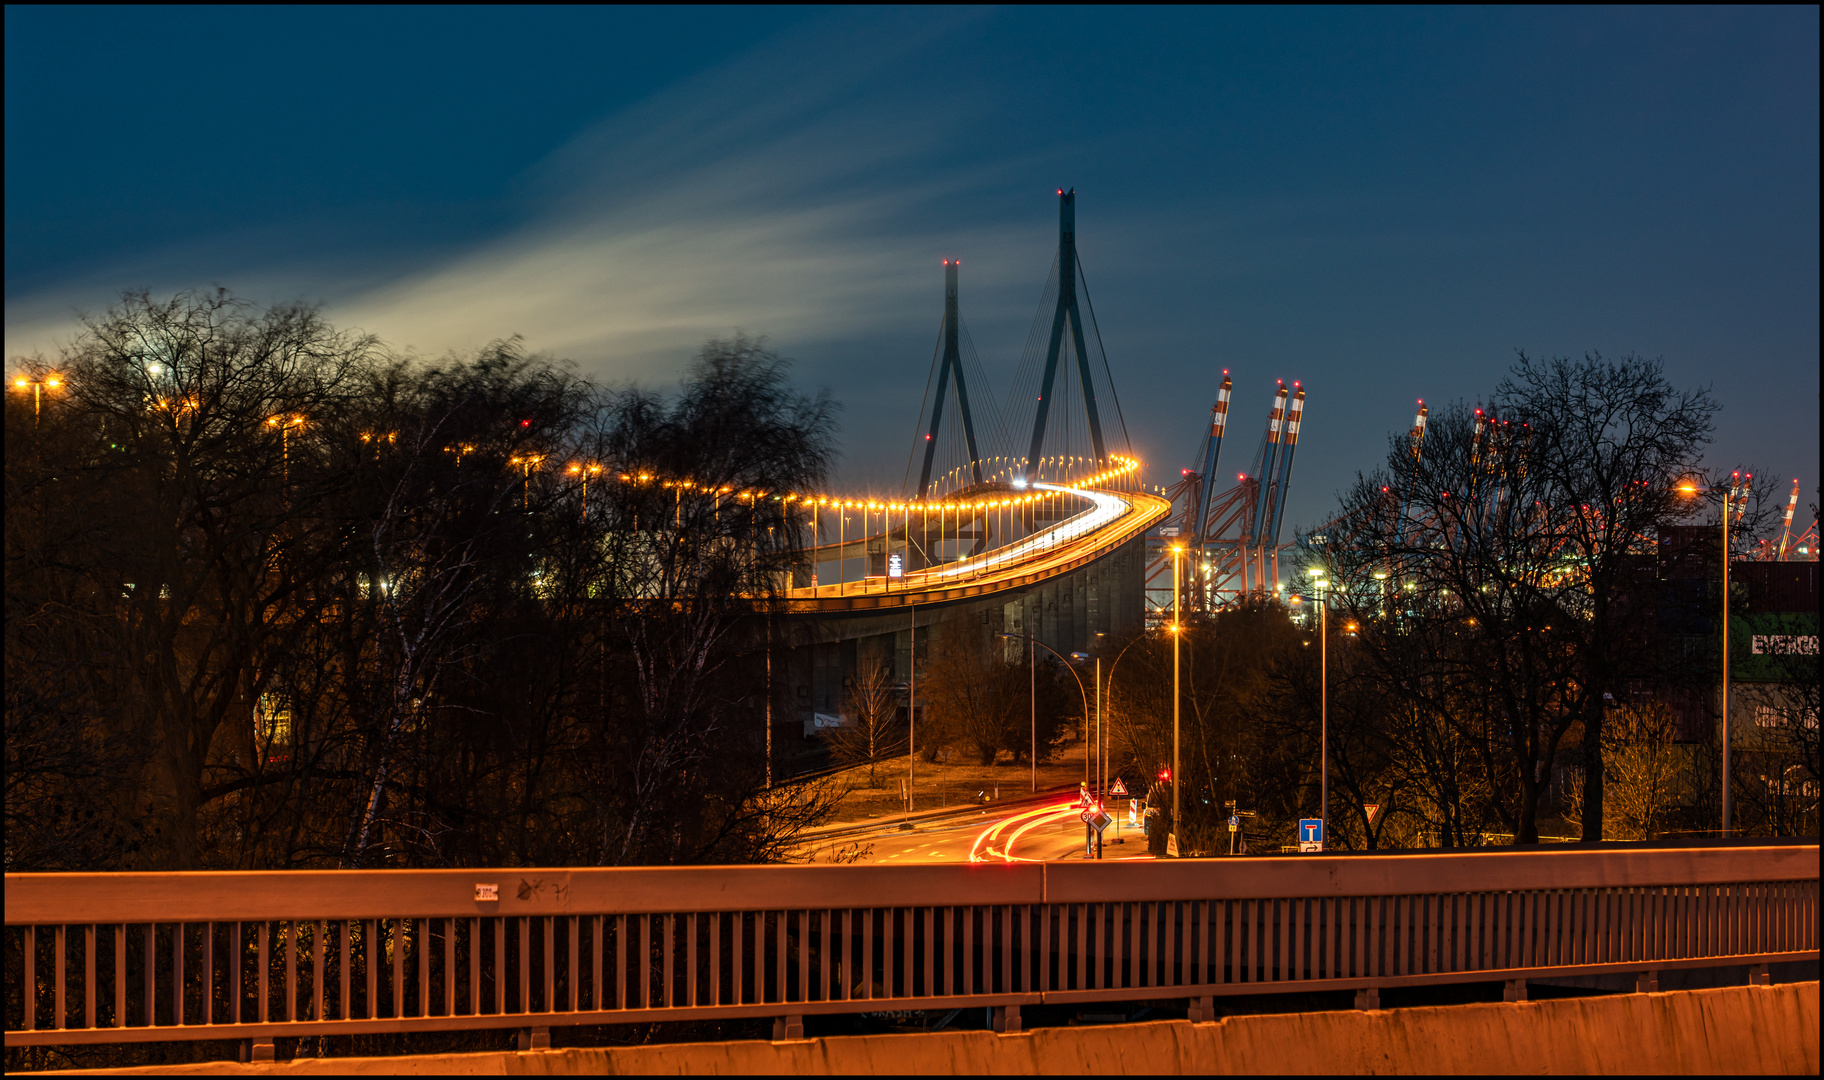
1022	514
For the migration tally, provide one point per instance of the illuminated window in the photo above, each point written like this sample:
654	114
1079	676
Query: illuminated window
272	725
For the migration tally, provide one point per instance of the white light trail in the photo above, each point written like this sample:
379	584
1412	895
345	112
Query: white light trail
1105	508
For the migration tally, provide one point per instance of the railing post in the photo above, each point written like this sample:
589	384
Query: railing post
1647	982
1760	975
537	1038
1368	998
1516	990
257	1049
787	1028
1007	1020
1202	1010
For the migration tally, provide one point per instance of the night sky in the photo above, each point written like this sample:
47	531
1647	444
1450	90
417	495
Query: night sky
1383	204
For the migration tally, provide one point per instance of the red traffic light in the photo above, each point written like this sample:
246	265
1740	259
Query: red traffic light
1165	775
525	423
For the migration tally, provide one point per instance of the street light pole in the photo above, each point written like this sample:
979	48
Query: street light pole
1030	640
1727	498
1323	706
1730	502
1032	690
1101	754
1177	636
285	424
38	386
911	710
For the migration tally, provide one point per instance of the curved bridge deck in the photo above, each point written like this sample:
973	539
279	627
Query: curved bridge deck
1112	518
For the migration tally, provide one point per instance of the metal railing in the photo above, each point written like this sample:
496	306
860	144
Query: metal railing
111	958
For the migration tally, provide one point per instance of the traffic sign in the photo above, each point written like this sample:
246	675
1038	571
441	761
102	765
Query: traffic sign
1096	818
1234	823
1373	808
1310	834
1119	788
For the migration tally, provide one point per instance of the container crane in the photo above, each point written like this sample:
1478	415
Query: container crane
1288	448
1786	526
1232	533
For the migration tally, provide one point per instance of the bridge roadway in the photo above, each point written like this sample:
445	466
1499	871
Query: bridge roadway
1112	518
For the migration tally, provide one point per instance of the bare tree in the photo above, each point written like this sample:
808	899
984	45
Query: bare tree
871	731
976	699
200	421
275	599
1644	771
1611	439
1491	574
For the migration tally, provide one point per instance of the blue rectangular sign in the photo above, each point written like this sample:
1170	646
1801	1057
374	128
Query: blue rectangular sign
1311	831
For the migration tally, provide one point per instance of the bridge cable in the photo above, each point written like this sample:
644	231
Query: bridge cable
919	424
1019	403
1084	278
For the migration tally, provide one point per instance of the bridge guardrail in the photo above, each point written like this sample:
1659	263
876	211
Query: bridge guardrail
130	957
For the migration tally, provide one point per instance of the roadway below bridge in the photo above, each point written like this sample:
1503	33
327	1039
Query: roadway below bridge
1042	828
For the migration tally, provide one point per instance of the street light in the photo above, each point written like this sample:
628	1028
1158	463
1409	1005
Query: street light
1737	494
49	380
585	471
1035	714
285	424
1177	636
1323	698
1098	738
526	462
1106	689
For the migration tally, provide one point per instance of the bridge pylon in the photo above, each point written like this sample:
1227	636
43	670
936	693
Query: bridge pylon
951	364
1067	312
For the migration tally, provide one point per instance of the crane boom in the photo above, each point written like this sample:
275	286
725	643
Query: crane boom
1289	447
1417	437
1269	456
1219	422
1786	526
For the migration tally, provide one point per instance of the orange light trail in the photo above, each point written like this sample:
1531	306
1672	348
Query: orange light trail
983	850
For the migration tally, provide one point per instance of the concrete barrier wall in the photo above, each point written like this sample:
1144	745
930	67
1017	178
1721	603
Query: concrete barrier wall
1748	1029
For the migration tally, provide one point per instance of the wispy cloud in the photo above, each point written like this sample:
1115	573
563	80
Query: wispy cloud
783	194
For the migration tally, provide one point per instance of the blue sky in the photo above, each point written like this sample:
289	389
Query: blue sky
1384	204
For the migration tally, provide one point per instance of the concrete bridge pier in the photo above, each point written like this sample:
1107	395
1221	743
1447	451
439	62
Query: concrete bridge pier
816	653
